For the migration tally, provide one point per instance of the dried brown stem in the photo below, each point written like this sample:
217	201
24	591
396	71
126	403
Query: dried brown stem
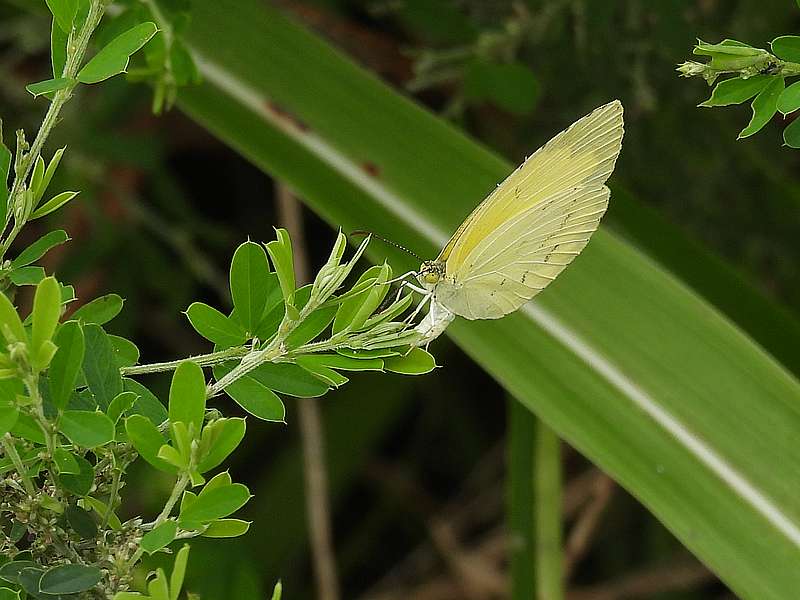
316	479
580	536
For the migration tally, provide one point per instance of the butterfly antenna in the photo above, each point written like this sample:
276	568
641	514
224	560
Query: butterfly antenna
361	232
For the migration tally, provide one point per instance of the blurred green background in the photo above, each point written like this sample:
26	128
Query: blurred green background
417	467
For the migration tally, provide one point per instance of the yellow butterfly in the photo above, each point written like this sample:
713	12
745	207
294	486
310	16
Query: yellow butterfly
527	230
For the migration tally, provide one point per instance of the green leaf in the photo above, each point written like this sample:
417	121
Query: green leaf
227	528
322	372
280	252
81	521
46	312
101	508
11	570
48	86
157	586
27	428
219	439
187	396
66	462
8	594
87	429
27	276
215	326
126	353
737	90
791	135
353	312
113	59
789	100
63	12
288	379
39	248
147	440
510	86
159	537
178	573
54	203
37	176
216	503
416	362
81	483
9	413
249	280
147	404
254	397
58	49
100	310
29	579
121	404
346	363
10	323
70	579
99	366
604	382
49	172
277	591
764	107
66	363
787	47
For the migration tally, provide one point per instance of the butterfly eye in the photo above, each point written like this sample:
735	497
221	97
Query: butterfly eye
431	277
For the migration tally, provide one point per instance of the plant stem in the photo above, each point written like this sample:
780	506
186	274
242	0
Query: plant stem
115	482
180	486
74	59
547	507
11	452
204	360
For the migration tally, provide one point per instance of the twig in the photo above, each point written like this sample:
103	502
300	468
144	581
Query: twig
580	536
316	480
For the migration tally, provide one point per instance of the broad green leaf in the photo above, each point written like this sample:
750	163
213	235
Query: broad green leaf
147	404
325	374
69	579
9	413
86	429
227	528
100	310
39	248
253	396
63	12
764	107
81	483
58	49
147	440
113	59
81	521
370	298
288	379
178	573
347	363
46	312
161	536
216	503
99	366
787	47
219	439
416	362
66	363
53	204
27	428
27	275
736	90
10	323
49	172
101	508
66	462
120	405
215	326
510	86
125	351
29	578
187	396
789	100
249	284
277	591
48	86
158	587
791	135
8	594
604	382
11	570
36	177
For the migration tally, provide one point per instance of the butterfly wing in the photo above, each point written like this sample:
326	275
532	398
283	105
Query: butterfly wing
520	258
582	155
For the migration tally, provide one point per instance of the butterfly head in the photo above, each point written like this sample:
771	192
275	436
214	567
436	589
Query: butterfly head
430	272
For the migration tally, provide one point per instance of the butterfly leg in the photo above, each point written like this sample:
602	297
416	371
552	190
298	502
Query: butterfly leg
427	298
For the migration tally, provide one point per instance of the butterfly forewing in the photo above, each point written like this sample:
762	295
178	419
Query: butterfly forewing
581	156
